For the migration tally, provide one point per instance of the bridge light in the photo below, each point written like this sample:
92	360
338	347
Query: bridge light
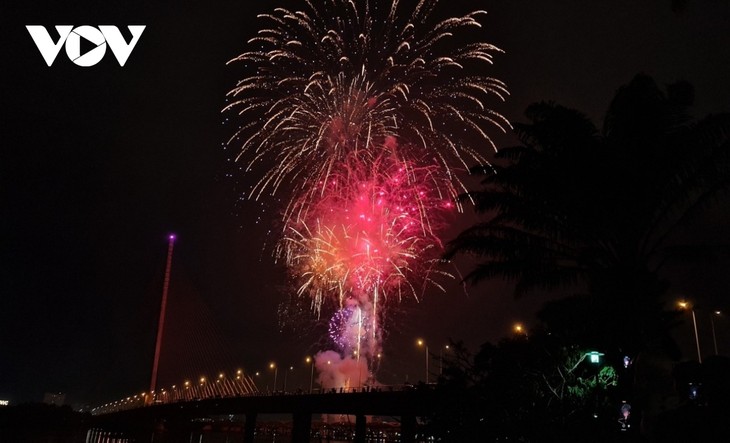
202	379
239	372
220	375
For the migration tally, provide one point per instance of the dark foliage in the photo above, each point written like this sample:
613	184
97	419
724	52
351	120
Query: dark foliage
598	210
538	390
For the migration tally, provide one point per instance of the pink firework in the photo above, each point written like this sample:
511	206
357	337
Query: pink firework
367	114
371	236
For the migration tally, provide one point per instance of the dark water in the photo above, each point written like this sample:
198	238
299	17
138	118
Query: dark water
264	436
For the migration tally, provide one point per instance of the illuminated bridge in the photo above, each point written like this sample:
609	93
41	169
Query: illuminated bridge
186	411
178	420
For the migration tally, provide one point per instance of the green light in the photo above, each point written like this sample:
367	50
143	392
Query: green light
595	356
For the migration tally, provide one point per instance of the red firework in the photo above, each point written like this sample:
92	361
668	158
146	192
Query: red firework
371	234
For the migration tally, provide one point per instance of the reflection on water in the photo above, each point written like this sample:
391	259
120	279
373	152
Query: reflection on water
264	434
232	430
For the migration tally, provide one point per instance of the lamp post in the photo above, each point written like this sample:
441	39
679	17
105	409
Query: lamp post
441	359
685	305
291	368
712	323
273	366
420	342
310	360
221	383
203	390
186	393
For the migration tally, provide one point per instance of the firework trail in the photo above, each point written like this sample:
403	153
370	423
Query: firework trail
366	117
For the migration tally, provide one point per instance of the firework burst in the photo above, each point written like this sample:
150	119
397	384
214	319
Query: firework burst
339	76
372	233
367	117
371	237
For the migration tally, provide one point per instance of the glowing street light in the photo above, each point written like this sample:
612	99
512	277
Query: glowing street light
420	342
441	358
595	357
684	305
203	387
273	366
519	329
291	368
310	360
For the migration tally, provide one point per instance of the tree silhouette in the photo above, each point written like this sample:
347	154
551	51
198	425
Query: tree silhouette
536	389
575	207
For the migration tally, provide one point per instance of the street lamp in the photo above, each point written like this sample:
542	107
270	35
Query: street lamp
441	359
519	329
712	323
202	389
310	360
420	342
595	357
273	366
291	368
684	305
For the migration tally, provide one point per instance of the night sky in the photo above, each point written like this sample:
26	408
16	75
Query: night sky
99	164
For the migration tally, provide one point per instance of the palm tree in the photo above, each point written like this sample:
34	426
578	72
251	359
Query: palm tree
575	207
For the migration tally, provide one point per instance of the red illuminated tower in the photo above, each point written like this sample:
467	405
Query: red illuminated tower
161	323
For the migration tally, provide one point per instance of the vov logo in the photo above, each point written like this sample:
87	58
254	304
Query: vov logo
71	37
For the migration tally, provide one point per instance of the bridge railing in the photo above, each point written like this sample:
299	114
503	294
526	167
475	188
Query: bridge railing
241	385
225	388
